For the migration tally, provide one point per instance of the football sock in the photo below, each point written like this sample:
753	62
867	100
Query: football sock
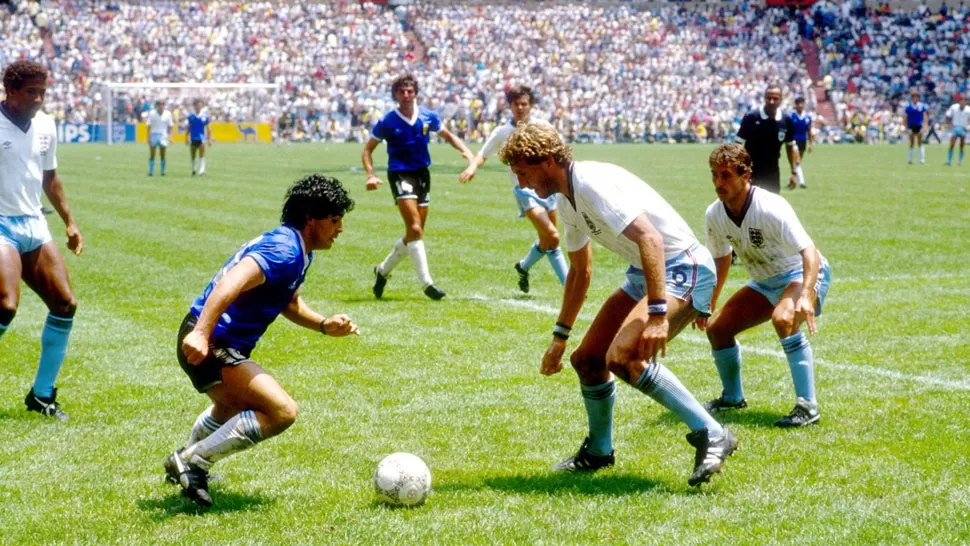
193	165
239	433
53	347
798	351
961	157
390	262
728	362
801	177
202	166
163	166
662	385
558	262
949	156
151	166
535	254
599	400
205	424
420	260
922	154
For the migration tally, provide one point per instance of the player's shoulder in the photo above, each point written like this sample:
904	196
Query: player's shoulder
44	120
769	202
282	242
714	209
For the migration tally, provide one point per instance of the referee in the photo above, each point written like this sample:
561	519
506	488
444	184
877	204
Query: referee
763	132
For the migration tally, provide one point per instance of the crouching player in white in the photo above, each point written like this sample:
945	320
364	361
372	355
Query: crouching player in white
670	281
541	212
789	281
159	126
261	281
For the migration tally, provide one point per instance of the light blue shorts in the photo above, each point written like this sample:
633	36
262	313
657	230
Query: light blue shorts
527	199
690	274
159	140
25	233
773	287
960	132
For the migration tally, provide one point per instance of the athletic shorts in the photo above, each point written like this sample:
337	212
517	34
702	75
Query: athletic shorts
528	199
158	140
690	274
773	287
25	233
208	373
960	132
197	143
915	129
414	184
802	146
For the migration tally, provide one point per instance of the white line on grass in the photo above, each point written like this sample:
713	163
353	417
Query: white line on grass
923	379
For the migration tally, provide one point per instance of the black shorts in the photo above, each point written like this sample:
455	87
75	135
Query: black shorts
767	181
414	184
209	372
915	129
197	143
802	146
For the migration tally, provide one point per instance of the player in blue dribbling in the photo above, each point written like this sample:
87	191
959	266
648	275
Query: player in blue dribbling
802	121
259	282
199	135
406	130
916	121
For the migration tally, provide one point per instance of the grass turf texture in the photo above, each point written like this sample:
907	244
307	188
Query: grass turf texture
456	381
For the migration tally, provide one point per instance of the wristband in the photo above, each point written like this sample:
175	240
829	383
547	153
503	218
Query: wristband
322	329
561	331
657	307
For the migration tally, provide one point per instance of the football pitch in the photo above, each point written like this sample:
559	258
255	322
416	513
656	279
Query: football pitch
456	382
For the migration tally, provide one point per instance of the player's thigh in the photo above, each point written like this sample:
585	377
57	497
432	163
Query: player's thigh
783	316
410	212
10	271
202	150
247	386
543	224
590	356
423	213
744	310
45	273
680	313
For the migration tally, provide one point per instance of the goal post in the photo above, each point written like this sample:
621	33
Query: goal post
187	89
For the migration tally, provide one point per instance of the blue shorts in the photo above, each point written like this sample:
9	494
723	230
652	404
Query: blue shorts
690	274
25	233
960	132
158	140
773	287
527	199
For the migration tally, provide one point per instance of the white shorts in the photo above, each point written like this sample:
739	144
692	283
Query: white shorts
960	131
690	274
25	233
528	199
158	140
772	288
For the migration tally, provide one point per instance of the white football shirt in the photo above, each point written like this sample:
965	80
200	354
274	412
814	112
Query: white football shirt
767	237
959	116
498	137
160	124
607	199
24	156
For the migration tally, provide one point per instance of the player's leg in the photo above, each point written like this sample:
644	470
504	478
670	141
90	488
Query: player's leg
802	146
202	159
745	309
45	273
962	139
949	153
10	273
798	352
192	150
922	151
151	156
162	148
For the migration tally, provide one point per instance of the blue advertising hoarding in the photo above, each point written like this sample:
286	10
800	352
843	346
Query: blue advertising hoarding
95	132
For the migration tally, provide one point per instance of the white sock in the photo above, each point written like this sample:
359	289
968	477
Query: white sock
910	155
193	165
801	177
420	260
201	165
239	433
205	424
390	262
922	154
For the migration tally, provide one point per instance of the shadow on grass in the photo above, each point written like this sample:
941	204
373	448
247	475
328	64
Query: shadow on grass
576	484
176	505
746	417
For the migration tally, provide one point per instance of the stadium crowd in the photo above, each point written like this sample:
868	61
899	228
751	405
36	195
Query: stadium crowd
603	72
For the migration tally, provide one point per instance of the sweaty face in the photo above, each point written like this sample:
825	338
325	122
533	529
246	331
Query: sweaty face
29	98
521	108
772	101
405	95
534	177
160	106
729	185
322	232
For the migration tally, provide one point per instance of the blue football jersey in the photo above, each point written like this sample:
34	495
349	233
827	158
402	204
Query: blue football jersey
284	261
407	140
915	113
197	125
802	124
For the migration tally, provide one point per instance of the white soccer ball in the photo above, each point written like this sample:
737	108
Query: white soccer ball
402	479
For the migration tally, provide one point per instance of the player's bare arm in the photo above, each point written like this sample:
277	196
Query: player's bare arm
574	294
55	194
367	158
794	158
805	306
299	313
243	276
457	144
469	173
653	339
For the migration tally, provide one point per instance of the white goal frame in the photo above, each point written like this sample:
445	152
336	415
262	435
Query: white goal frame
111	86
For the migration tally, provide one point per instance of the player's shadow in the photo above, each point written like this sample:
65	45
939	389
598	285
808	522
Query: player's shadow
745	417
175	504
607	484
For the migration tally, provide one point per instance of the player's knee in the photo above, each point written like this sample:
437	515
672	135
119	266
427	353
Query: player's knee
64	306
8	309
585	364
415	231
783	319
284	415
717	331
549	240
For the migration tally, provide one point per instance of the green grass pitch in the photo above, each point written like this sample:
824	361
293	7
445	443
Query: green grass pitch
456	382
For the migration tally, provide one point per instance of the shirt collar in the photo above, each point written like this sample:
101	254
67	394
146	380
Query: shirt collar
6	113
765	116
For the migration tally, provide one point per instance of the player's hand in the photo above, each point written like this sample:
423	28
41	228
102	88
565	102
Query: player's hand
793	181
805	311
699	323
75	243
372	183
653	338
809	149
469	156
340	326
196	347
552	360
466	176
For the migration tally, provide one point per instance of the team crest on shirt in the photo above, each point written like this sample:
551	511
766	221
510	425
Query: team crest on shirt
592	227
45	144
424	130
7	145
781	135
756	237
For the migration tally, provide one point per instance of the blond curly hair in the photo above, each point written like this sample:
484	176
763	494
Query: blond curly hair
731	155
532	143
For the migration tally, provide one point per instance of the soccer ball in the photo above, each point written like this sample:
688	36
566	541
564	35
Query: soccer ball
402	479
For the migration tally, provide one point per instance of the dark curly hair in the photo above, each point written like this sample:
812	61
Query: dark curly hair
17	74
406	79
513	94
315	196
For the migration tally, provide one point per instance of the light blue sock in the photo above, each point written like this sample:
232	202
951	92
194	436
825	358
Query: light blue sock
961	157
558	262
163	166
53	347
599	401
910	155
798	351
728	362
532	257
3	328
949	156
662	385
151	166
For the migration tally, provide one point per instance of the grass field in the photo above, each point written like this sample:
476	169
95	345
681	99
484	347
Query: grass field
456	381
